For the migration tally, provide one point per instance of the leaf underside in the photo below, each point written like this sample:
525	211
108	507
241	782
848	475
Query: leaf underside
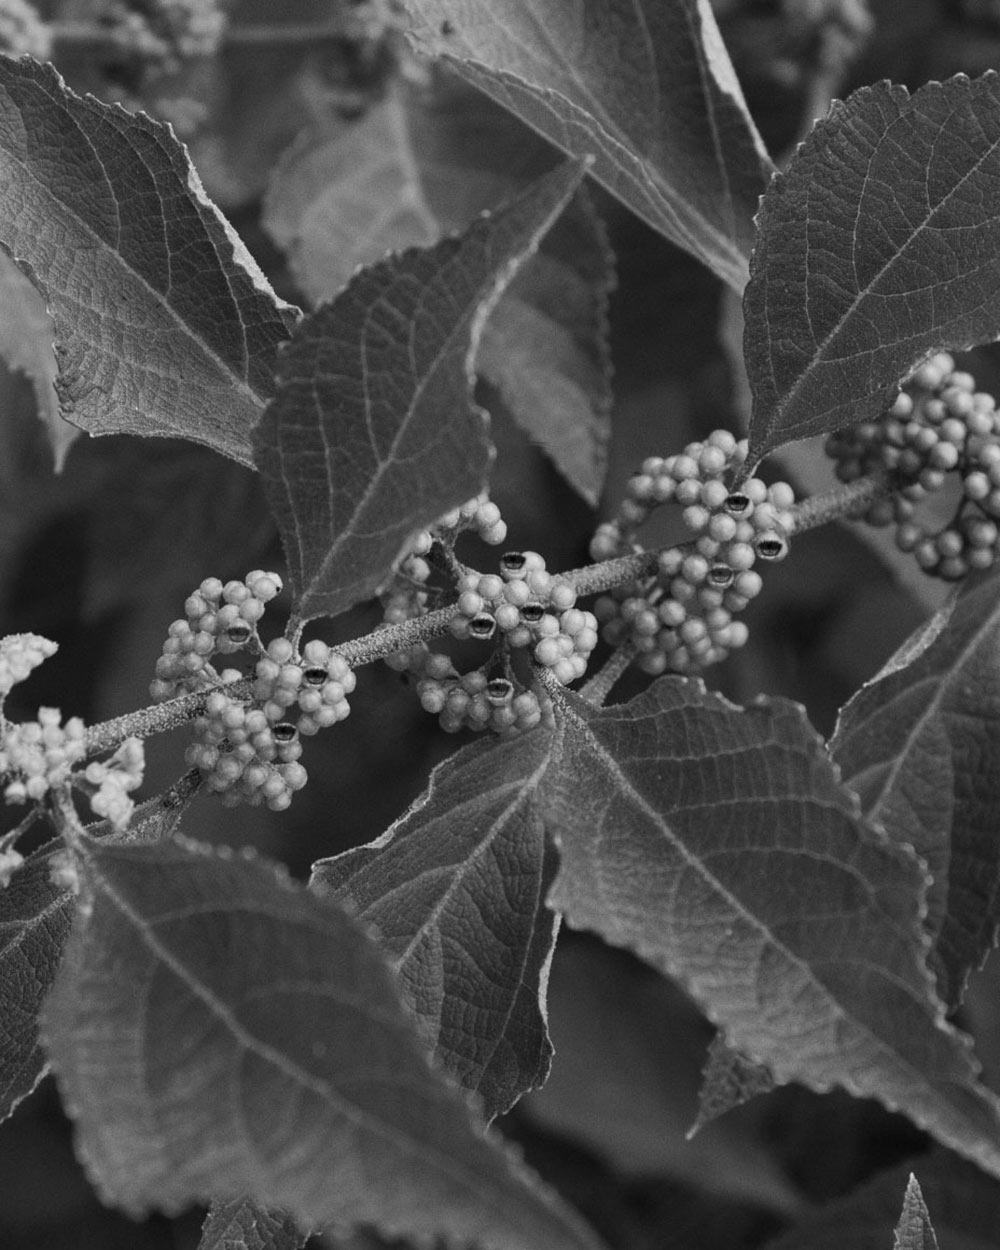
216	1030
455	895
35	918
169	327
718	844
242	1224
421	164
647	88
372	434
878	245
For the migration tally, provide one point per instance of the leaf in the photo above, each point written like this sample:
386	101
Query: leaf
422	164
645	86
914	1231
26	345
920	745
217	1030
372	434
35	919
717	843
545	348
966	1206
164	324
454	893
243	1224
728	1080
878	245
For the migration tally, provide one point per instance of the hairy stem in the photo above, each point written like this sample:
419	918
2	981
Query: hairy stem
849	501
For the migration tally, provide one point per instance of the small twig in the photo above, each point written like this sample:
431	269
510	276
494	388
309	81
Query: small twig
852	500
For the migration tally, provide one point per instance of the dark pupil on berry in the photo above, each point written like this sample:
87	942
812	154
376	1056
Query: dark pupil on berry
500	689
532	612
512	562
770	548
737	503
314	676
721	575
238	633
285	732
482	626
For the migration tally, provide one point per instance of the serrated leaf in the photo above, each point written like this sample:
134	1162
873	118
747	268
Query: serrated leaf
164	324
879	244
718	844
422	164
914	1230
966	1206
26	345
920	745
242	1224
372	433
217	1030
645	86
35	920
454	894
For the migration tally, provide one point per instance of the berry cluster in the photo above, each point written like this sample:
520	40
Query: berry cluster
474	700
162	34
681	619
19	654
114	779
521	609
318	681
220	619
939	424
527	608
247	758
40	754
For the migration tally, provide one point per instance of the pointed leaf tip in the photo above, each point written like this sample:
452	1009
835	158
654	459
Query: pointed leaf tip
372	433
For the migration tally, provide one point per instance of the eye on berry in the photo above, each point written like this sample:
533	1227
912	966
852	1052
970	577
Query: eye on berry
771	547
285	732
482	626
314	675
737	504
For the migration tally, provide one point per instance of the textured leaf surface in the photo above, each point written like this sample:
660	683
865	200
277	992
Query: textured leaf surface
717	843
372	434
879	244
920	744
965	1206
421	165
35	919
645	86
729	1079
26	344
243	1224
164	324
914	1230
216	1030
454	893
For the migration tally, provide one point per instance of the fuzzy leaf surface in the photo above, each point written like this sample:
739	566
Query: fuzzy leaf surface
718	844
372	433
217	1030
35	918
164	324
422	164
243	1224
914	1230
645	86
455	895
920	745
879	244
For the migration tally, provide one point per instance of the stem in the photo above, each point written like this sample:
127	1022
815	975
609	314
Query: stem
852	500
849	501
597	688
